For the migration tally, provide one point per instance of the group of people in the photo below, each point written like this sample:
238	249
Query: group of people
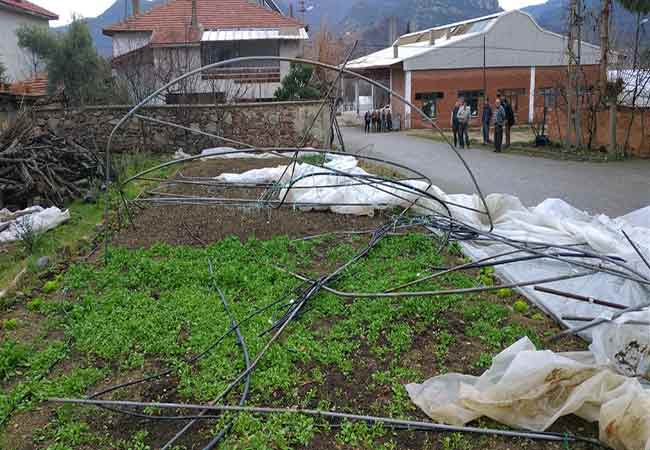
378	120
504	119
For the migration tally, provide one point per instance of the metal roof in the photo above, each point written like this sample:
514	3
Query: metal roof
385	57
254	34
456	24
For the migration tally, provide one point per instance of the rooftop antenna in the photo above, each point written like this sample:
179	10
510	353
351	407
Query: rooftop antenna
301	10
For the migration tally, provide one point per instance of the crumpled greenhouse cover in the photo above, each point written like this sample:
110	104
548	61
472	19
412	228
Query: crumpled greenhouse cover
38	218
552	221
531	389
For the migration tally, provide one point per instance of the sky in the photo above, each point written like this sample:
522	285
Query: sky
92	8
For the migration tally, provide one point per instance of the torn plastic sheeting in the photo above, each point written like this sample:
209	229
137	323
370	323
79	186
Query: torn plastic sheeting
222	152
552	221
41	220
363	198
557	222
531	389
232	153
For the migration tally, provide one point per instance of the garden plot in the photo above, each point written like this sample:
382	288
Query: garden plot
153	306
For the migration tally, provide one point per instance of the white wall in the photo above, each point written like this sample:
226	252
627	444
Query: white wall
514	40
171	62
12	56
125	42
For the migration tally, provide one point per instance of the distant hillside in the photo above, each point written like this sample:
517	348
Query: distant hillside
369	17
553	15
113	14
367	20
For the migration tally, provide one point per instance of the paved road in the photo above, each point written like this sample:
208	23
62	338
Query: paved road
613	188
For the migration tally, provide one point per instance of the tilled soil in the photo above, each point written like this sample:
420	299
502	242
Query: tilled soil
204	224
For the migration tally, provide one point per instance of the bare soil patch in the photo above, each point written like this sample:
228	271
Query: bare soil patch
204	224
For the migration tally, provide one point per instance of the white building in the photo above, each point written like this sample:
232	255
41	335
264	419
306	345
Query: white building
13	15
152	48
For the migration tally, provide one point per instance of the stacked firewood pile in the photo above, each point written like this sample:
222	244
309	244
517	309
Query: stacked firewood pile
39	168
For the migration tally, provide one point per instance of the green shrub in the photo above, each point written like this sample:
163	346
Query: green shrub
11	324
520	306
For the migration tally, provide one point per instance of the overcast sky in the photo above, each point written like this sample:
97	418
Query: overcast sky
92	8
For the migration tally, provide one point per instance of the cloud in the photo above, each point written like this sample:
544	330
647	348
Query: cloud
65	9
517	4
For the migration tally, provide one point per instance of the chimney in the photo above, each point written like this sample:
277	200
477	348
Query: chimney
135	7
195	17
432	38
290	9
396	51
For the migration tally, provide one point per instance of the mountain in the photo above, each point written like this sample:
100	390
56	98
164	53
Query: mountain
553	15
113	14
370	17
368	20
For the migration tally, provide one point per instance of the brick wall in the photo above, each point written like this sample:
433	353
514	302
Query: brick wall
638	123
450	81
260	124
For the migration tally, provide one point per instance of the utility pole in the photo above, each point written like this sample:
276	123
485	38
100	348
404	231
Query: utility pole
604	66
604	45
578	74
570	69
484	71
301	10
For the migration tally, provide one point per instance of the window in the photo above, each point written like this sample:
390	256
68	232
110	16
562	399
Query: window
512	95
477	27
472	99
427	101
212	52
549	95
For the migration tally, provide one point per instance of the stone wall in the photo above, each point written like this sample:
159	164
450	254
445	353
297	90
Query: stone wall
274	124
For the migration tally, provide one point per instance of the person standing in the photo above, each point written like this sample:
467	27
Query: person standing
510	120
389	119
366	118
383	119
499	123
454	122
464	114
486	119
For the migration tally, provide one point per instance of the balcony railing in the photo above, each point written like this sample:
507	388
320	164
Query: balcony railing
246	73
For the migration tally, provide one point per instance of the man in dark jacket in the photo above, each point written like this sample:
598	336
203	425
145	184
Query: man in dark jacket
366	119
499	123
389	119
510	120
454	122
486	119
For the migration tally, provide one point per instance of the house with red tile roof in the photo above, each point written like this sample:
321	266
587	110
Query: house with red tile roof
152	48
13	15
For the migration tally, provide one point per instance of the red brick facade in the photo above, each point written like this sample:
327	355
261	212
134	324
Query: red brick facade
446	84
637	123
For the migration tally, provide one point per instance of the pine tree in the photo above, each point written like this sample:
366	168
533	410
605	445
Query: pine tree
296	85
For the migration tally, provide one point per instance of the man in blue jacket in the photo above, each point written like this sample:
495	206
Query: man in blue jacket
486	119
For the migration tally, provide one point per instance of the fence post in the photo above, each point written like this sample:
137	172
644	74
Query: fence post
612	128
